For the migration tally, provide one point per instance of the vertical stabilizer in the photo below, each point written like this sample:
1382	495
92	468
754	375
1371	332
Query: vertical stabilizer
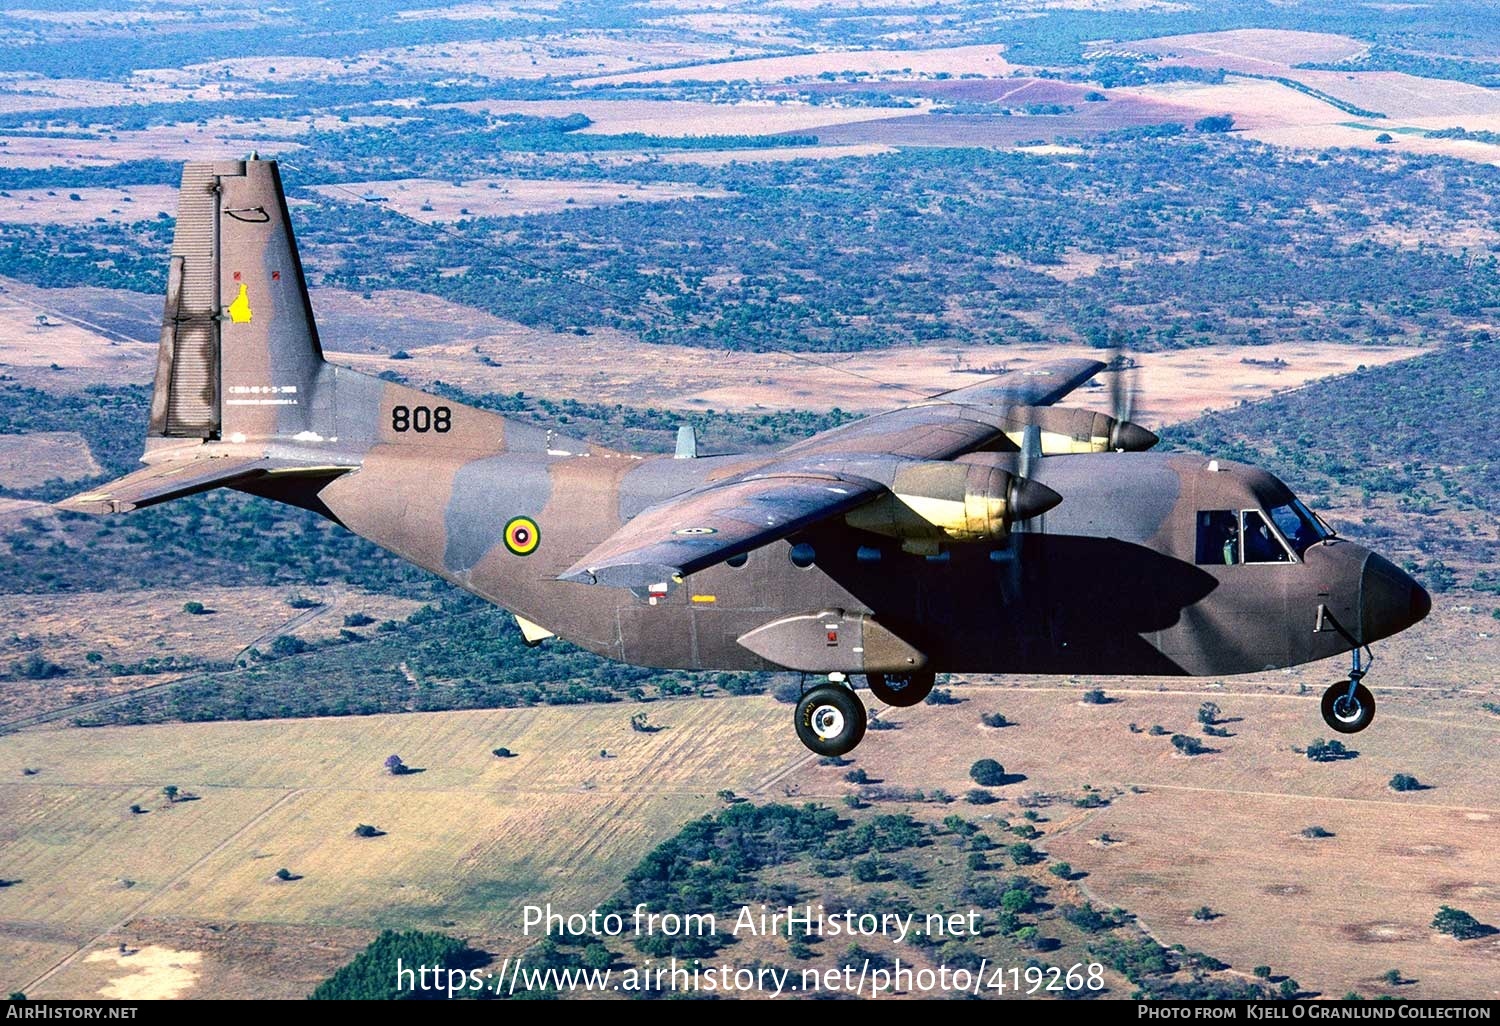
239	354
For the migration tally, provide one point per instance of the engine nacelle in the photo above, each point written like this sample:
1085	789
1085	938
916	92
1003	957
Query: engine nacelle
1069	430
934	502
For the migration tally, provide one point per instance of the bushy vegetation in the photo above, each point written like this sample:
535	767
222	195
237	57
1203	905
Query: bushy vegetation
371	976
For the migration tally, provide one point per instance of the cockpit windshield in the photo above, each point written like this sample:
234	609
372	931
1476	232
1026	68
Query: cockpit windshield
1299	525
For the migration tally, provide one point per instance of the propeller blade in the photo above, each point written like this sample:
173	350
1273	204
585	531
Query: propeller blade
1031	448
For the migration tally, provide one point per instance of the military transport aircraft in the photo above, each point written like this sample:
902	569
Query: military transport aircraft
983	530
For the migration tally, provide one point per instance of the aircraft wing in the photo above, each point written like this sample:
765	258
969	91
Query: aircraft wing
952	423
708	525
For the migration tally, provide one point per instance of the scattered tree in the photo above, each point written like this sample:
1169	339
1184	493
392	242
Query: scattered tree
194	608
394	766
1405	782
1263	972
1208	714
994	720
1214	123
136	810
987	773
1023	854
1204	914
504	753
1455	922
171	792
1328	751
358	620
285	874
641	724
1188	745
366	830
857	776
1062	870
1392	977
1315	832
979	796
1095	696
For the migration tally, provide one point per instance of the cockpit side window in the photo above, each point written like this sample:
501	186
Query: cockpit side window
1261	543
1218	537
1298	525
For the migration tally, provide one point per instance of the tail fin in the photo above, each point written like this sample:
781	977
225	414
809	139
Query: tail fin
239	355
243	397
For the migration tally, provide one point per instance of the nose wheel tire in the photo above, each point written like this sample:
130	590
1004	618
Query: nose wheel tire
901	689
1345	713
831	720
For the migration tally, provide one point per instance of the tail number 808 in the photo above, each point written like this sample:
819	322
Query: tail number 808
421	419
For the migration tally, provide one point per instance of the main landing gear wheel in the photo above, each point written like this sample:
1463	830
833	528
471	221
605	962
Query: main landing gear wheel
901	689
831	719
1348	710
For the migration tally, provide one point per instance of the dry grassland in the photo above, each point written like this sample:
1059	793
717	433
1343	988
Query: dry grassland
683	118
580	53
608	367
84	353
504	197
1255	50
958	60
468	840
124	205
27	92
471	838
133	626
1223	830
30	460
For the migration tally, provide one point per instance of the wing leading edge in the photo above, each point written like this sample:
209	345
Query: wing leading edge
952	423
687	533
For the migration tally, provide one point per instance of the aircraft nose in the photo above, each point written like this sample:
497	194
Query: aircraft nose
1390	601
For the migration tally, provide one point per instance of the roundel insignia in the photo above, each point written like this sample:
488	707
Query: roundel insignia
696	530
522	536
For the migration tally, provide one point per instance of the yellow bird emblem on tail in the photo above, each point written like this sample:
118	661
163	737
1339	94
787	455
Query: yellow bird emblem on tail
239	310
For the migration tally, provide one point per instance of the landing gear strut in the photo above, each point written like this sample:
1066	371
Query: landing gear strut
831	719
901	689
1348	706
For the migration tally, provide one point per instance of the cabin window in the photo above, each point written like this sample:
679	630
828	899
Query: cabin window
1261	543
1218	537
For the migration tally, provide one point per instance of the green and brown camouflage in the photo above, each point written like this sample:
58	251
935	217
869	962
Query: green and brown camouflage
926	539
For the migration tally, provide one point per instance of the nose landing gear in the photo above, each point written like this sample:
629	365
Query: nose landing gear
1348	706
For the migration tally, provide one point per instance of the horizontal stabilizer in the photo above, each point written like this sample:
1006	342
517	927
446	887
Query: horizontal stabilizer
174	479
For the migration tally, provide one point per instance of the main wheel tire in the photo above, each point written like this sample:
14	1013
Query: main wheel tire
1346	715
901	689
831	720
